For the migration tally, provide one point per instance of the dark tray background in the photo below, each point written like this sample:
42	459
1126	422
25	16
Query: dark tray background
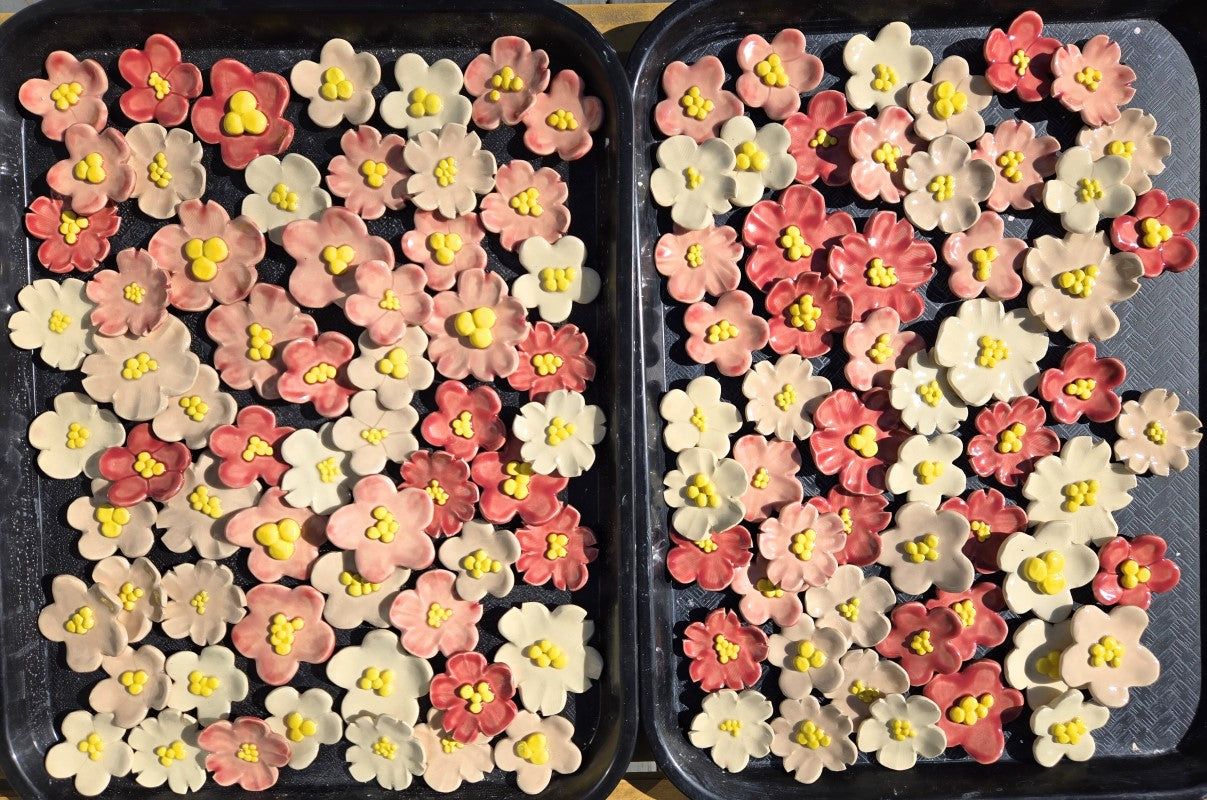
1155	745
37	544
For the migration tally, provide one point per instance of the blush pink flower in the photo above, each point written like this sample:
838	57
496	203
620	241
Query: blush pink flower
763	599
476	328
384	527
941	625
821	139
210	257
695	103
725	334
981	680
256	124
879	147
266	529
327	251
772	467
701	262
316	371
711	562
551	359
991	520
370	173
248	449
863	518
1130	572
510	486
1012	437
791	235
161	82
526	203
465	420
984	260
558	549
445	247
495	708
1083	385
775	75
884	266
877	346
245	356
979	609
70	241
801	546
502	98
133	298
1155	230
283	628
1020	59
805	313
433	619
224	740
1020	160
1093	81
131	468
387	300
97	170
560	120
703	643
445	478
73	92
856	437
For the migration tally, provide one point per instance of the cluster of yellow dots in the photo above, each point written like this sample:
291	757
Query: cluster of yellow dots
771	70
785	397
703	492
355	585
504	80
947	100
81	621
133	681
555	546
803	544
1124	149
1021	61
982	262
721	331
980	529
70	225
93	745
475	326
284	198
394	364
90	169
445	171
374	173
931	393
1089	78
437	615
810	736
900	730
385	748
1045	572
547	654
761	477
749	158
966	611
205	255
279	538
558	430
111	520
479	563
844	514
920	643
558	279
199	601
201	502
880	276
338	258
139	365
707	544
519	474
884	77
444	246
863	441
167	754
77	436
794	244
1156	433
927	472
148	467
865	693
243	115
259	342
731	726
822	138
692	178
436	492
385	526
562	120
128	595
1049	664
1011	163
194	407
448	744
808	656
545	364
66	95
1068	732
533	748
58	321
1081	388
1078	282
769	589
694	105
298	727
1089	189
726	650
157	171
248	752
924	548
1081	493
1131	574
134	293
527	203
319	373
991	351
1153	233
694	255
887	154
882	349
203	685
281	630
389	301
336	85
970	710
1010	440
803	314
1107	651
476	696
942	188
255	447
422	103
329	470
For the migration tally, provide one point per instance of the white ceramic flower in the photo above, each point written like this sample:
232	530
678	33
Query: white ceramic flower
733	728
1084	190
340	85
921	392
166	751
105	528
925	469
556	278
900	729
1081	486
1064	728
429	97
694	181
372	434
706	493
167	168
482	557
306	720
196	516
559	434
92	752
394	371
71	438
1033	663
208	681
384	749
807	657
990	352
696	416
1154	436
1043	568
882	69
283	190
381	678
320	474
926	547
781	395
55	320
193	415
449	169
761	158
1076	280
548	654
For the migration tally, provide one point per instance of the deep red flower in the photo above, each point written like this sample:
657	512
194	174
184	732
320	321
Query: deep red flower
283	628
1131	572
145	466
316	371
964	697
465	420
924	641
446	480
979	612
1020	59
804	314
884	266
551	359
509	486
856	437
1083	385
1155	230
819	139
475	696
1012	437
69	240
711	562
992	519
863	518
222	742
248	449
245	115
558	549
791	235
724	652
162	83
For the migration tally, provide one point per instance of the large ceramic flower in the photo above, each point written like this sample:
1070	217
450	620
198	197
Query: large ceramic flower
1081	486
445	247
339	85
526	203
249	449
428	97
1154	436
853	604
54	319
705	492
370	173
990	352
198	601
465	420
245	751
696	263
923	640
70	241
856	439
877	348
84	618
822	139
207	681
811	738
921	392
92	752
1034	662
352	600
316	372
167	168
560	120
106	529
1131	572
711	562
900	729
557	550
1083	385
446	479
1106	657
775	74
432	619
1075	282
882	69
984	260
863	518
781	396
387	301
319	474
927	548
71	93
979	610
283	628
551	359
210	257
1020	59
991	519
926	470
305	719
975	704
556	277
1064	728
449	170
879	147
281	540
534	748
883	266
284	190
951	102
395	371
761	159
138	375
1043	569
169	731
145	466
1131	137
1155	231
696	416
733	727
97	170
1084	190
510	485
694	181
946	185
725	334
805	313
385	527
329	251
505	81
801	546
476	697
1012	437
1092	80
71	439
791	235
1021	161
548	654
695	103
807	658
381	678
245	115
482	558
724	653
133	298
866	678
250	335
476	328
383	749
161	82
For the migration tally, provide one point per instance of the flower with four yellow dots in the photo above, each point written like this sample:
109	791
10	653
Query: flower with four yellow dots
706	493
305	719
556	277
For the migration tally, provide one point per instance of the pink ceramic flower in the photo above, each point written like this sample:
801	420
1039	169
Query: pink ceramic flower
370	173
1020	59
821	139
316	372
384	526
210	257
1093	81
70	240
1083	385
327	251
984	260
701	262
387	300
245	115
1155	230
445	478
772	467
1012	438
551	359
695	103
465	420
877	346
775	75
991	519
509	486
856	438
879	147
975	704
979	609
476	697
433	619
805	313
1021	161
725	334
724	653
791	235
884	266
72	92
526	203
801	546
863	518
133	298
247	357
1131	572
229	747
145	467
923	641
445	247
558	549
505	81
561	119
97	169
475	329
711	562
282	540
283	628
161	82
763	599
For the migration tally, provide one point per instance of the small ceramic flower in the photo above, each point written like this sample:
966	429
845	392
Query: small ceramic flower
475	328
283	627
925	469
927	402
155	738
701	262
352	600
975	705
245	116
136	588
1083	385
979	610
775	74
486	708
713	561
449	762
548	654
245	751
136	685
1084	190
505	83
92	751
1012	437
1106	657
1034	662
1075	282
990	352
1130	572
70	241
821	139
370	173
695	104
209	257
250	449
927	548
71	93
1043	569
434	620
879	147
208	681
54	320
800	545
339	86
560	433
198	601
763	599
1064	728
428	97
96	172
558	550
772	467
726	333
761	159
991	519
84	618
946	185
1155	231
105	529
535	748
556	278
449	170
924	641
1092	80
696	416
250	333
551	359
701	476
900	729
877	348
71	439
329	251
526	203
283	190
316	372
1154	436
381	678
161	83
810	738
446	480
445	247
857	437
805	314
394	371
482	557
197	412
984	260
384	749
196	517
372	434
465	420
281	540
561	119
781	395
1081	486
145	466
791	235
319	474
1021	161
1020	59
807	658
853	605
305	719
385	527
1131	137
951	102
694	181
863	518
167	168
723	652
882	69
866	678
133	298
733	727
883	266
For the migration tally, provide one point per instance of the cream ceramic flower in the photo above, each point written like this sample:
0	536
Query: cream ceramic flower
1043	568
926	400
306	720
694	181
106	529
1076	280
951	102
854	605
706	493
1154	436
135	586
283	190
1106	657
1081	486
194	415
372	434
137	374
449	762
197	515
559	434
207	681
449	170
548	654
167	168
866	678
990	352
534	748
810	738
71	438
394	371
556	278
1064	728
926	548
351	600
1084	190
782	394
84	618
696	416
199	600
807	657
482	557
925	469
946	186
92	752
170	737
761	158
320	474
1034	660
882	69
900	729
429	97
733	728
1131	137
381	678
339	86
385	750
55	320
136	684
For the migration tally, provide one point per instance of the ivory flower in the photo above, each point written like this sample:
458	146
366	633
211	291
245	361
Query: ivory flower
852	604
1084	190
339	86
1064	728
207	681
696	416
55	320
900	729
174	732
990	352
946	186
320	475
71	438
449	169
283	190
384	749
428	97
694	181
1081	486
548	654
381	678
1043	568
167	168
556	278
761	159
92	751
1154	436
305	719
925	469
927	402
733	727
705	492
560	433
882	69
927	548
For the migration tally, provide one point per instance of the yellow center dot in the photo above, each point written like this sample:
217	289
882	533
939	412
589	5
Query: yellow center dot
807	657
771	71
319	373
356	586
1131	574
558	430
1082	388
284	198
71	225
394	364
803	314
90	169
243	116
462	425
707	545
146	466
445	171
946	100
203	685
385	526
749	158
259	342
694	105
378	681
504	80
443	247
248	752
969	710
298	727
279	538
966	611
82	621
1068	733
900	730
1089	190
849	610
160	84
725	650
437	615
942	188
882	350
562	120
803	543
922	548
436	492
880	276
809	735
335	85
982	262
1107	652
1081	493
1154	233
546	654
527	203
1011	163
863	441
785	397
1089	78
281	631
927	472
77	436
1045	572
329	470
701	491
931	393
201	502
557	279
920	643
374	173
555	546
479	563
1020	60
111	520
519	474
475	326
476	696
1010	440
884	78
174	751
721	331
533	748
66	95
93	745
133	681
546	364
991	351
199	601
794	244
1078	283
694	256
692	178
887	155
337	258
157	171
980	529
761	478
1156	433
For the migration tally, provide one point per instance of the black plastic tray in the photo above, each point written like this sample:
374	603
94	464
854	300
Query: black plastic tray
37	689
1157	745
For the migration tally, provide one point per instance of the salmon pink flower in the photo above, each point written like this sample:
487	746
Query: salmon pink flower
772	467
245	751
97	170
370	173
883	266
711	562
701	262
560	120
445	247
526	203
70	240
551	359
559	549
476	697
923	641
863	518
249	449
991	520
250	335
801	546
210	257
144	467
1020	160
695	103
806	312
433	619
446	480
725	334
73	92
1092	80
384	526
386	300
282	540
465	420
1020	60
509	486
792	235
1131	572
133	298
476	328
979	609
328	251
763	599
161	82
821	139
1012	437
316	372
984	260
283	628
245	115
724	652
876	347
1083	385
1155	230
856	438
505	81
775	75
879	147
975	704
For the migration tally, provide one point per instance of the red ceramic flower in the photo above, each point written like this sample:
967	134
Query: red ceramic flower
384	526
879	148
465	420
230	746
1083	385
791	235
561	119
923	641
551	359
725	653
476	697
282	540
974	705
283	628
863	518
884	266
1020	160
801	546
248	449
979	612
821	139
1020	59
856	438
711	562
316	372
805	312
370	173
328	251
725	334
476	328
210	257
772	466
245	115
1130	572
72	92
96	172
433	619
763	599
695	103
510	486
701	262
1012	437
387	300
877	346
983	259
161	82
445	478
445	247
1155	231
145	466
133	297
250	335
991	519
1093	81
775	75
559	549
505	81
70	240
526	203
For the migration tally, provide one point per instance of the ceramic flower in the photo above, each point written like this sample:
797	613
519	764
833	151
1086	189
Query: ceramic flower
856	439
1012	438
283	627
701	476
863	518
991	519
733	727
900	729
394	371
694	181
923	641
1064	728
1043	568
106	529
1130	572
428	97
1021	161
133	298
775	74
820	139
208	256
877	348
984	260
1092	80
925	469
866	678
1154	436
434	620
199	600
161	82
476	697
946	185
136	588
763	599
927	402
283	190
465	421
535	748
449	170
558	549
245	751
726	333
449	762
385	527
526	203
1075	282
54	320
92	752
791	235
250	335
505	82
1131	137
724	652
926	548
979	610
561	119
990	352
446	480
97	170
207	681
951	102
800	545
369	174
145	467
1020	59
711	562
975	705
329	251
167	168
84	618
305	719
695	103
70	241
1081	486
316	372
197	412
548	654
556	278
381	678
196	517
1155	231
250	449
761	158
482	557
384	749
772	467
339	85
883	266
136	685
882	69
699	262
551	359
781	395
174	733
696	416
352	600
854	605
245	115
879	147
1034	662
1083	189
1106	657
807	658
319	474
475	329
281	540
387	301
805	313
71	93
559	434
810	738
1083	385
445	247
71	438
